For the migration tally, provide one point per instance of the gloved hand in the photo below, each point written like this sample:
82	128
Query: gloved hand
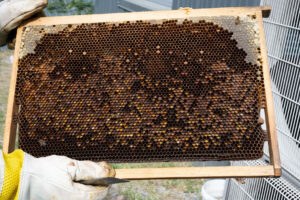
13	13
51	177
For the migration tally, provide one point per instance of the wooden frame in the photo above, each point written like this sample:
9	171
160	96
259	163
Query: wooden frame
272	170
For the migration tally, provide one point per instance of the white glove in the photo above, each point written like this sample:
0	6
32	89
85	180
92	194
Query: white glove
14	12
53	177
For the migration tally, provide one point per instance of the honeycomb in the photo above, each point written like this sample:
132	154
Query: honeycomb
138	91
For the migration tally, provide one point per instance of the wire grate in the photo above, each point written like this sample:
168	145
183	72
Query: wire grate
283	42
267	188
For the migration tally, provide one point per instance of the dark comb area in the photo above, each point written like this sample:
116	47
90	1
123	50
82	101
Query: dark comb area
138	91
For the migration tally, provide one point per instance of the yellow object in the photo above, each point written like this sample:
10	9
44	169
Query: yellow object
12	172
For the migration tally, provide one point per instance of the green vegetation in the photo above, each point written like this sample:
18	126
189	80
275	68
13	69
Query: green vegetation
78	7
159	189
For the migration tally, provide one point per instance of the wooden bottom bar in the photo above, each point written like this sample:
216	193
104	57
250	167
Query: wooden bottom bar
195	172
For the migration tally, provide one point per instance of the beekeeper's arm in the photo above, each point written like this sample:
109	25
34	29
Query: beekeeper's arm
13	13
25	177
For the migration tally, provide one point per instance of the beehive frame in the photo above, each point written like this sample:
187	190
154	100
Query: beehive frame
274	169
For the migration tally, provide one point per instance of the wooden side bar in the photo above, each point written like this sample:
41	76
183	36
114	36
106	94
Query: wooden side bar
269	111
10	129
195	172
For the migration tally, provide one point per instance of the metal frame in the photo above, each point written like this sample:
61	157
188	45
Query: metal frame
272	170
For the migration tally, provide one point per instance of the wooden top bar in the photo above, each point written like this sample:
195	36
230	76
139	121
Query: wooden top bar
151	15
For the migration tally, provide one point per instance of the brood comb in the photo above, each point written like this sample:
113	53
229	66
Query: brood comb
168	89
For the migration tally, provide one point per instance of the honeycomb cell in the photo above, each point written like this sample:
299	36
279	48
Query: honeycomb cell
136	91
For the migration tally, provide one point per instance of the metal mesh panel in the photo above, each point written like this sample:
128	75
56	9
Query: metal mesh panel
282	31
213	3
268	188
142	91
284	56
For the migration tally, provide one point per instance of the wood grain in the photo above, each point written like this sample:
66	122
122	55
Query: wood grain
10	129
152	15
269	111
195	172
175	172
